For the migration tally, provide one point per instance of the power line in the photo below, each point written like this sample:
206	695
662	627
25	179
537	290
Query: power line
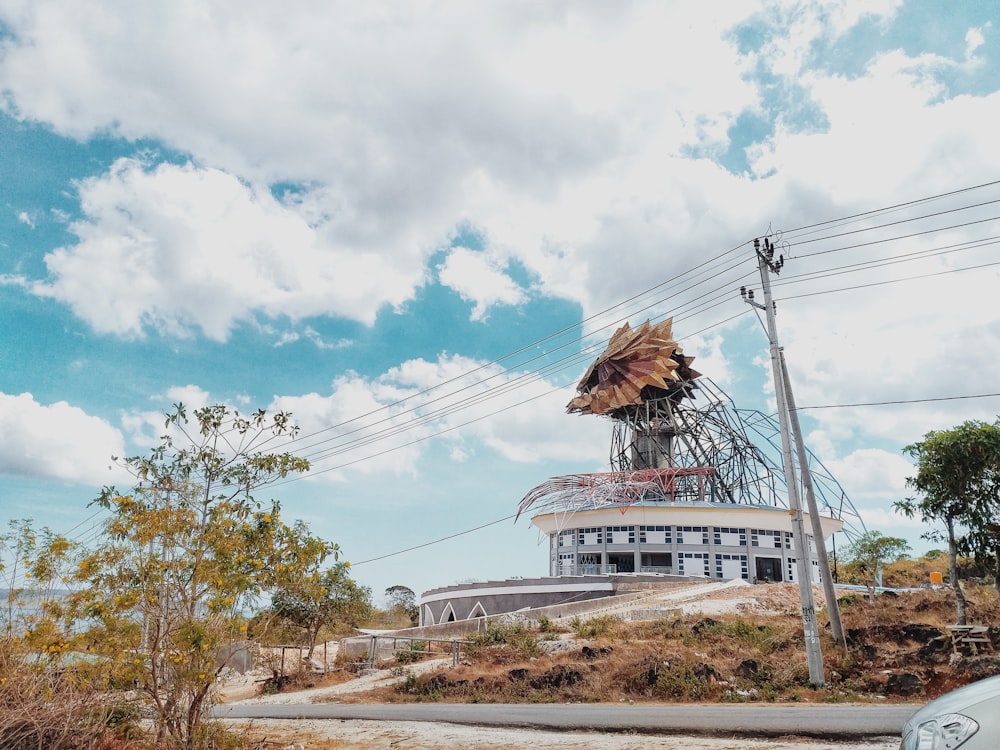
895	207
901	401
891	281
715	272
560	365
436	541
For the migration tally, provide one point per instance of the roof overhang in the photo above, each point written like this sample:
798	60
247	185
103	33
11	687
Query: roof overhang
726	515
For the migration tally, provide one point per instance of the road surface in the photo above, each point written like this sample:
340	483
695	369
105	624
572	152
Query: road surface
832	722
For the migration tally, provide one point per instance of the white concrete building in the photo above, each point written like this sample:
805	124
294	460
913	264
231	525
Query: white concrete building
714	540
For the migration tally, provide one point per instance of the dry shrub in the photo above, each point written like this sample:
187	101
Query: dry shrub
503	643
597	627
40	709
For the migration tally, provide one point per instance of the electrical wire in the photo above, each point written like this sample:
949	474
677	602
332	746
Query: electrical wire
436	541
901	401
712	270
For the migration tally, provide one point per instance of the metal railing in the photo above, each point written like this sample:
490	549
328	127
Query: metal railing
391	646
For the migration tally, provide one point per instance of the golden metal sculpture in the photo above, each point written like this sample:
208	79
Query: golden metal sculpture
637	365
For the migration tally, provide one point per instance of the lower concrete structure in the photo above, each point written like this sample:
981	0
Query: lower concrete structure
604	552
484	599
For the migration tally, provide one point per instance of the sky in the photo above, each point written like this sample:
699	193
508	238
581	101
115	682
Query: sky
413	225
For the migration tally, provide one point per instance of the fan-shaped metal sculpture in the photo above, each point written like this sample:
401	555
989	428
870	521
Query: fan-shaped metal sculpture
638	365
665	448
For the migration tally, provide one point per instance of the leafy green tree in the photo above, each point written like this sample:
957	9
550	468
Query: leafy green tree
322	598
958	481
870	551
184	554
400	600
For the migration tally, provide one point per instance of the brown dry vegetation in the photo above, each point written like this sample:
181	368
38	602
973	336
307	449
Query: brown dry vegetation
898	649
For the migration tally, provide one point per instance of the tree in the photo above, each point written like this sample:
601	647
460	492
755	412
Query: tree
868	552
321	598
402	600
42	705
184	554
958	480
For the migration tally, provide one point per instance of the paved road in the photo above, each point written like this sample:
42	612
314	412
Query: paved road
831	722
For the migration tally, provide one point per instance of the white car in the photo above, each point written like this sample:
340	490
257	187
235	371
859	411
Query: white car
966	718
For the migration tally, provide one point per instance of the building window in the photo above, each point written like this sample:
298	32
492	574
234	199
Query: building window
620	534
730	537
591	537
732	566
692	564
765	538
654	535
566	538
692	534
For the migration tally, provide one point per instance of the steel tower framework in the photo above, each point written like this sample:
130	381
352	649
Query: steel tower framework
689	443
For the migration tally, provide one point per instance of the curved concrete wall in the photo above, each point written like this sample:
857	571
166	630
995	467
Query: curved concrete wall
488	599
716	540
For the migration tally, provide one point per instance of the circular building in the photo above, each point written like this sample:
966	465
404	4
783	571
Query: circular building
696	488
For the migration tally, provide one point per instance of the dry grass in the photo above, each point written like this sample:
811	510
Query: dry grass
748	657
41	709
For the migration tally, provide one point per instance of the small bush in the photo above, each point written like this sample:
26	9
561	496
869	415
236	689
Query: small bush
760	638
414	652
515	638
595	627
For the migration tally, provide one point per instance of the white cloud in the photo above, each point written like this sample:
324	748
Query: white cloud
479	279
564	134
552	128
974	39
290	337
385	425
890	523
870	473
14	280
191	396
178	248
56	441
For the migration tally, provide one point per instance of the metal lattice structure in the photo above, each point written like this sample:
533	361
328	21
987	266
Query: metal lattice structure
676	439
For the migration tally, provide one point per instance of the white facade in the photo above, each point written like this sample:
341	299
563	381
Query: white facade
715	540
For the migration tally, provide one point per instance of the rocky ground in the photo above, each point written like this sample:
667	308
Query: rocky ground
715	599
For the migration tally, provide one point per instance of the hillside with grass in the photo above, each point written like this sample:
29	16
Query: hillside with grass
899	649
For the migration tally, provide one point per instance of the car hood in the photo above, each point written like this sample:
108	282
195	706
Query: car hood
956	700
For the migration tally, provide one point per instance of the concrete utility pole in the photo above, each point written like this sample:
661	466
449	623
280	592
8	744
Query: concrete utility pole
814	654
829	592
